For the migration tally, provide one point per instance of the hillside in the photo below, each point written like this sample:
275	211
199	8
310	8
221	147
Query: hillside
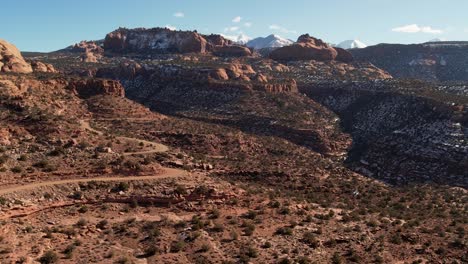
432	61
189	149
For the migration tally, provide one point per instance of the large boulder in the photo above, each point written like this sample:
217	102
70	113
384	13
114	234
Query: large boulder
11	59
310	48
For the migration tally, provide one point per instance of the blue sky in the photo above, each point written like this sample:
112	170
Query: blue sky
47	25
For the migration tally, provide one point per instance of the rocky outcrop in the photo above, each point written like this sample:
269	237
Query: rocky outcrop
437	61
90	51
217	40
343	55
86	88
11	59
232	51
38	66
310	48
164	40
125	70
89	57
155	40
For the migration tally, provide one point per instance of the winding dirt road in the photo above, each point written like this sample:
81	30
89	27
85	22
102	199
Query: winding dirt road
168	173
156	148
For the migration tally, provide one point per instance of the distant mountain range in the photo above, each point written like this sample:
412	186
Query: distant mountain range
271	41
240	39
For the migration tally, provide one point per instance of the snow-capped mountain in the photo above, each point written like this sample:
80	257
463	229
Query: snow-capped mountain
272	41
240	39
437	40
351	44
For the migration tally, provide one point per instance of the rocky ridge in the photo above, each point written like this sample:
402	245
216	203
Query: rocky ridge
432	61
310	48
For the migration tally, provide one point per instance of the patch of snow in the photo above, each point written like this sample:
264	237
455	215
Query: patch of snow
351	44
271	41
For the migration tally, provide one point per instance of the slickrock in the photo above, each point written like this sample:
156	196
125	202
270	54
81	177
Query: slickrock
11	59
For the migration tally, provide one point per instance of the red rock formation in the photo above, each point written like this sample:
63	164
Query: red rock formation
90	51
125	70
154	40
87	46
164	40
90	87
310	48
11	59
232	51
217	40
38	66
343	55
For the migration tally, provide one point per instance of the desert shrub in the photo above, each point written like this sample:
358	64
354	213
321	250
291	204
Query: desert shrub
180	224
121	187
267	245
177	246
218	227
83	209
215	214
81	222
49	257
68	251
16	169
181	190
336	258
304	260
396	239
205	248
284	231
151	251
249	228
284	210
251	214
197	223
310	239
102	224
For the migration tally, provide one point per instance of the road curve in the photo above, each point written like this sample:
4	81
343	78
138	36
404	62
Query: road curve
168	173
155	147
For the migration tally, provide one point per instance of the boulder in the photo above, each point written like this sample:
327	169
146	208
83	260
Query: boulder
38	66
219	74
11	59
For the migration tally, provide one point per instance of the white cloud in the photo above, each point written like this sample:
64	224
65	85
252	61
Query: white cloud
179	14
414	28
281	29
237	19
247	24
171	27
231	29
